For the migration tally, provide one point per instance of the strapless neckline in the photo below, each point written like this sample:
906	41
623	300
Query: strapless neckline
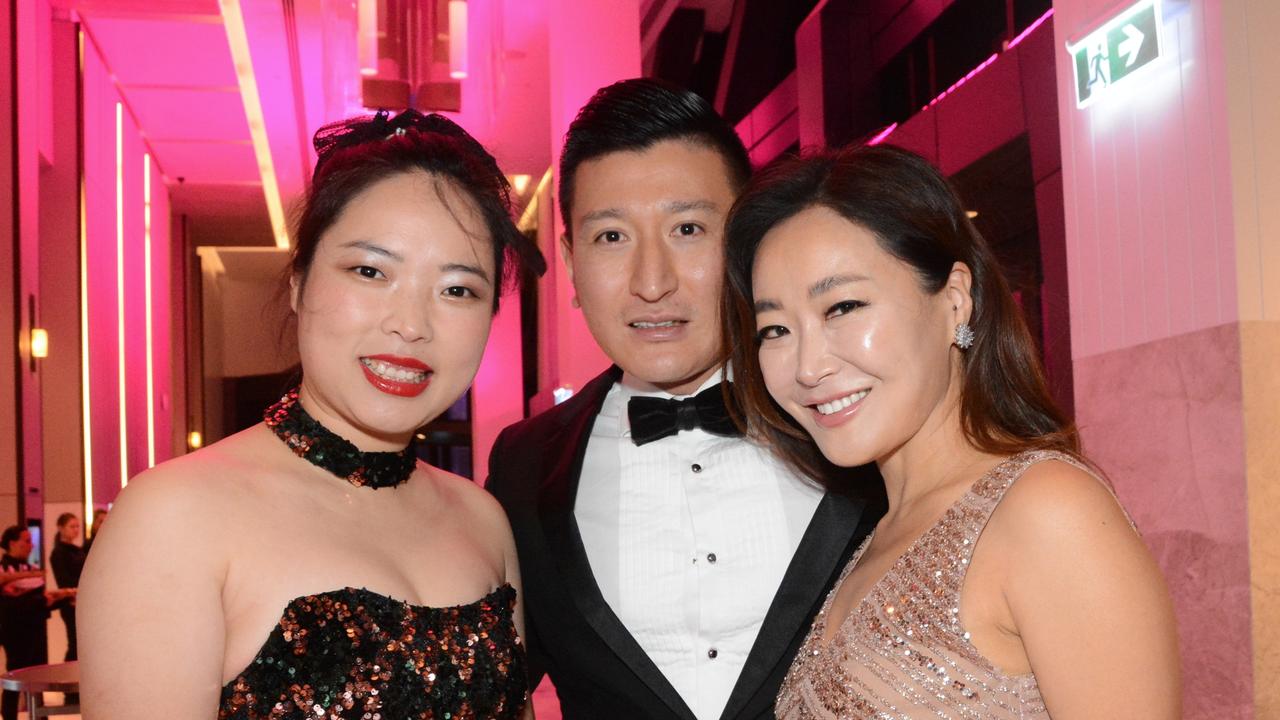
366	592
349	651
493	597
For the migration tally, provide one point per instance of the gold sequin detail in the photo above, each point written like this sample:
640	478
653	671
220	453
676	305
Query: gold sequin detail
903	652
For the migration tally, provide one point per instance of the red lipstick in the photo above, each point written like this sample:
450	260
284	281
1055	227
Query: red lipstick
399	388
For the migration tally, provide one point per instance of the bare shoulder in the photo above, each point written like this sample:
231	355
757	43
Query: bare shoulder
208	475
1058	501
478	513
188	500
473	501
1059	514
1084	596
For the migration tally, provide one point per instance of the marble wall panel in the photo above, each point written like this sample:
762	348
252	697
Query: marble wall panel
1164	420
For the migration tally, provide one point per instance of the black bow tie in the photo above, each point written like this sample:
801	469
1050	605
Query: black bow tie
655	418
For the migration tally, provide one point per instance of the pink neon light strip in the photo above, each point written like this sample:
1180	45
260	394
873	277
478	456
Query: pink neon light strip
1030	28
120	318
879	138
962	80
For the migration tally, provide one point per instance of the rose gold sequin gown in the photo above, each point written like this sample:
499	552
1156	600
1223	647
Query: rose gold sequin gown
903	653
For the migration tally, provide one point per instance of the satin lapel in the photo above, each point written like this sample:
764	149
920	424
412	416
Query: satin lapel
556	501
821	551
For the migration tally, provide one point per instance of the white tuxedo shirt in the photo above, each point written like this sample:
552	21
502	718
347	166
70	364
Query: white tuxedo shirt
688	538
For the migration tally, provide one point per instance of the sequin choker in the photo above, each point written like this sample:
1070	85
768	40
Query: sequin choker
319	446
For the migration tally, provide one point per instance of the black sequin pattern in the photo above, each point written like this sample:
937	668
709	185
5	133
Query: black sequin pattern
353	654
321	447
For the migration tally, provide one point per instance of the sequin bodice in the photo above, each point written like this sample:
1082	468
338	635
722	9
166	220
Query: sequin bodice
352	654
903	652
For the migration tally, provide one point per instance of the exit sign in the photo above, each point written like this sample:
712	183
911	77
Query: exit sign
1122	46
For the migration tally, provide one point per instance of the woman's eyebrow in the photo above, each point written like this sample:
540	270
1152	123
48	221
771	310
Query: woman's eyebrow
469	269
833	281
373	248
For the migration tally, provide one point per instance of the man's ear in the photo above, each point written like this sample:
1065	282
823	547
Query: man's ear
566	255
295	286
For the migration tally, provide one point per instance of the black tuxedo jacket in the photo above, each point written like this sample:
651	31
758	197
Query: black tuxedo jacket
572	634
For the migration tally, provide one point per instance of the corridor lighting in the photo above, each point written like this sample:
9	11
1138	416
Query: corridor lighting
1031	28
520	183
880	136
194	440
39	343
120	378
87	434
238	39
956	85
367	36
457	39
971	214
531	210
146	250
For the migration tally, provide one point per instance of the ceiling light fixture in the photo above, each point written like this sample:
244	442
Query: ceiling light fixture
367	36
529	216
457	39
238	39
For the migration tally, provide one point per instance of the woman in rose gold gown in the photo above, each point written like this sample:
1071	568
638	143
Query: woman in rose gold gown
868	321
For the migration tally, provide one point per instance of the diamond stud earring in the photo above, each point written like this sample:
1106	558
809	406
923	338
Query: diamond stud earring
964	336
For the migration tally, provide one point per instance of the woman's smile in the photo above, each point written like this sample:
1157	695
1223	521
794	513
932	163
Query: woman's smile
395	375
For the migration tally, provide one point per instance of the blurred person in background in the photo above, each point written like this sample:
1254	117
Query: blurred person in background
99	517
24	610
67	560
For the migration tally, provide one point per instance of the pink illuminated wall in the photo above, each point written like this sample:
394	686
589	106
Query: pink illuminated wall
497	395
8	397
592	45
115	229
1132	176
1157	353
34	150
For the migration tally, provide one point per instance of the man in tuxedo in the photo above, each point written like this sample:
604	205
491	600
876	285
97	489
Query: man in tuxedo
671	568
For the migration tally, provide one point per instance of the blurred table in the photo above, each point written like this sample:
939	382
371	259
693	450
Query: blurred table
34	681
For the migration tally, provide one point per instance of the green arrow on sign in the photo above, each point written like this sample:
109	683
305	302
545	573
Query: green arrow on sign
1123	45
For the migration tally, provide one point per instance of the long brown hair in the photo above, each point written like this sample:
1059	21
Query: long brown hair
915	215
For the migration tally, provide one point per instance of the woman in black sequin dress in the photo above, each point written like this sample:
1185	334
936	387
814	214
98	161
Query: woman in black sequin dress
310	567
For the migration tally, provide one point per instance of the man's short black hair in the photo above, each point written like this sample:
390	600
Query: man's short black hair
635	114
